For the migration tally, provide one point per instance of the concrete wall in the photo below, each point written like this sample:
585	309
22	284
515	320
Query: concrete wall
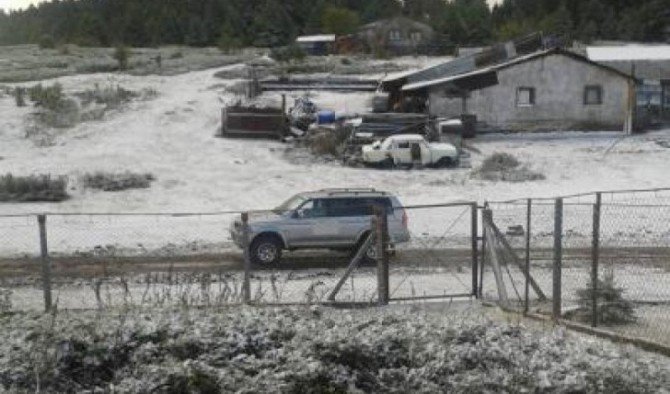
559	83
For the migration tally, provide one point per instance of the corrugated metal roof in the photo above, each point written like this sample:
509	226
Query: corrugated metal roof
494	68
441	81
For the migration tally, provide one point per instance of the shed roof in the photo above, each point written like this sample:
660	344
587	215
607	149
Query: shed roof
481	78
628	53
317	38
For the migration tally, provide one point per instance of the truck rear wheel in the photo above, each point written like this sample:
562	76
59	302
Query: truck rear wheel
445	162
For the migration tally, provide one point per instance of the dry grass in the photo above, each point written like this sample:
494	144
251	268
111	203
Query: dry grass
112	182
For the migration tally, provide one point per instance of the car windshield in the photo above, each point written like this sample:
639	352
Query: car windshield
291	204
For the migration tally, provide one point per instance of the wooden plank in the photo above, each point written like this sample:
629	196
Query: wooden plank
355	262
46	263
497	272
511	253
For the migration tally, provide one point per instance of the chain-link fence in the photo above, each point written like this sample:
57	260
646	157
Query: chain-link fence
600	259
440	260
88	261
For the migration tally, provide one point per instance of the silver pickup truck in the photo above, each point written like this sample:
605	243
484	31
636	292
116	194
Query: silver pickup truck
329	218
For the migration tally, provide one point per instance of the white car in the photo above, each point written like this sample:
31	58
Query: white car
409	149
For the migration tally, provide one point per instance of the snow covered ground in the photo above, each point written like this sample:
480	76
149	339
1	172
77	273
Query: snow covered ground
172	137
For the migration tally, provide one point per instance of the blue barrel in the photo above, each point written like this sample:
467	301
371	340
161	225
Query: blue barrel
325	117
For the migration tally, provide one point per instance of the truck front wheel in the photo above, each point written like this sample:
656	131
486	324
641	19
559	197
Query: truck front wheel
266	250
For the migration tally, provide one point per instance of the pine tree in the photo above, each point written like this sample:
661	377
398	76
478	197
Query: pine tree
611	306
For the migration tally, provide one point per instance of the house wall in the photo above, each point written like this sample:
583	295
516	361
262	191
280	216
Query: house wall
559	83
378	34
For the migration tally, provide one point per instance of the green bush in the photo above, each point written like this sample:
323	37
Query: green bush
111	182
20	96
229	44
47	42
49	97
288	54
32	188
612	307
122	56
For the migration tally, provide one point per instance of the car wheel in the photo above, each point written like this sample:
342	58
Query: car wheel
386	163
370	255
445	162
265	250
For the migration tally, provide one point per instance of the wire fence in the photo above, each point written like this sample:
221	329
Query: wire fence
110	260
600	259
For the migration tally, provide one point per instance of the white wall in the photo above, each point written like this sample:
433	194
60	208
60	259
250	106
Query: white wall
559	83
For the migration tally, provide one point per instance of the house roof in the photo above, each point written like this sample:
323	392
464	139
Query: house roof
395	20
628	53
317	38
482	77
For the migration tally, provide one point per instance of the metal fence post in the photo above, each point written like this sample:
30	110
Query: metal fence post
529	207
246	285
475	262
595	255
381	242
46	263
558	257
482	266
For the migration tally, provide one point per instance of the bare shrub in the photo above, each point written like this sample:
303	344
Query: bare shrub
328	142
109	96
501	166
32	188
111	182
66	114
5	300
500	161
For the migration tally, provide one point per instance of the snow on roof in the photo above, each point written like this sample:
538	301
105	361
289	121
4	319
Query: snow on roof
317	38
628	52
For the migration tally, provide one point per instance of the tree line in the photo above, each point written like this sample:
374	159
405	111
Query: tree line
270	23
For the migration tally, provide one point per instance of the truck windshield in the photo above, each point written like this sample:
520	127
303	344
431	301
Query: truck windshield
291	204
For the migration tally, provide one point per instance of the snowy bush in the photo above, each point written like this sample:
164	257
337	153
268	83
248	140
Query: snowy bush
111	182
32	188
293	350
501	166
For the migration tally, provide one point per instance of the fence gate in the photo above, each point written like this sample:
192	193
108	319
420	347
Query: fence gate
441	258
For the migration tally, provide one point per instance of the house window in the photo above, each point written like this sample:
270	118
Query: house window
416	36
525	97
394	35
593	95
